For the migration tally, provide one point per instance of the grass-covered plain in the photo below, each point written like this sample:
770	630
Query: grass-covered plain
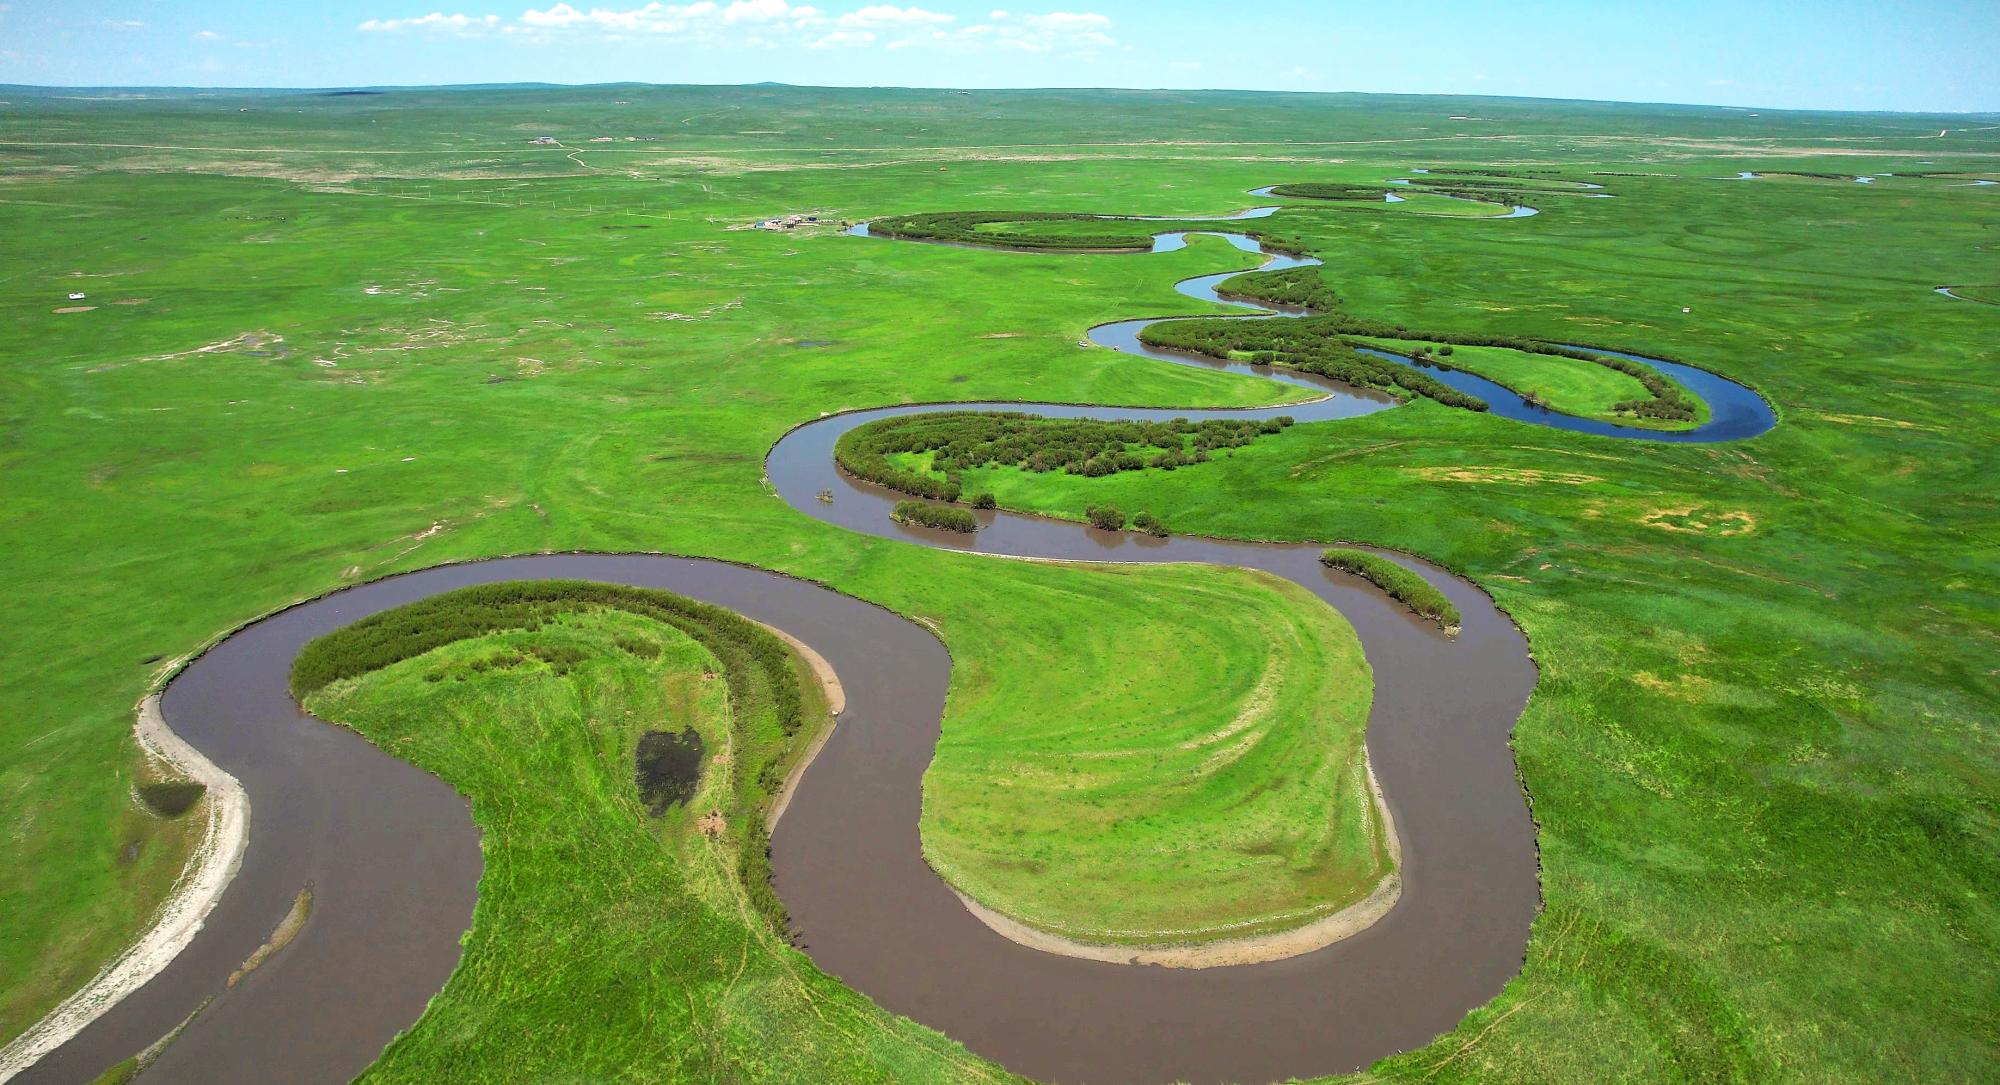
1761	753
595	919
1228	798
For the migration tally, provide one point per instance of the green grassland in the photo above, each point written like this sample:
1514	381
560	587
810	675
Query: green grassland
1227	798
654	906
1761	753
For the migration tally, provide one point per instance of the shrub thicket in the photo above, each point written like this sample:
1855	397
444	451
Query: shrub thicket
1435	170
1308	344
1460	188
925	514
756	665
958	441
962	227
1401	584
1331	191
1316	344
1150	524
1106	517
1106	233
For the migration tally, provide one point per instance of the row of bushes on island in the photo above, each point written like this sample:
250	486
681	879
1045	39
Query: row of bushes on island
1533	181
1309	345
1328	190
954	518
1482	172
1807	174
1400	584
958	441
1306	286
756	665
962	227
942	517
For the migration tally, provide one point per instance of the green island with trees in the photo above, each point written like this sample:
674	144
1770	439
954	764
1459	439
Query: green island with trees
1401	584
942	517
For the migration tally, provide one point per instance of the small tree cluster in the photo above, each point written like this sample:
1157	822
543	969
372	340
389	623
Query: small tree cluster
924	514
958	441
1324	344
1105	517
963	228
1397	582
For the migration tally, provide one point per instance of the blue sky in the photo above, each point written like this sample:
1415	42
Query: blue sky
1922	55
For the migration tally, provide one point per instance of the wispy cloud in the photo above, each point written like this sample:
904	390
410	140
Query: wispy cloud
1054	31
775	22
435	21
1051	32
890	15
701	19
844	39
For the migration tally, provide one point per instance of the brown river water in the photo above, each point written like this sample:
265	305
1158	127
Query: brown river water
394	856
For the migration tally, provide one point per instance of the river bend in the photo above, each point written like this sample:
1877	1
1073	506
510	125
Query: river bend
394	856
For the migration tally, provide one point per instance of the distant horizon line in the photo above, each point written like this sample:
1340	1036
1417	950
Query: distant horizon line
137	89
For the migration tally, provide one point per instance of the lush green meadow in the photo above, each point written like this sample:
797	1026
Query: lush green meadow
327	339
1227	798
649	908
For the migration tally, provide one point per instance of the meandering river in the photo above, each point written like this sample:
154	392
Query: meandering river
394	855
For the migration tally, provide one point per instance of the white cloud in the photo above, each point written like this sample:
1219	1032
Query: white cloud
699	21
207	35
1050	32
1067	21
891	15
758	11
436	20
770	23
840	39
